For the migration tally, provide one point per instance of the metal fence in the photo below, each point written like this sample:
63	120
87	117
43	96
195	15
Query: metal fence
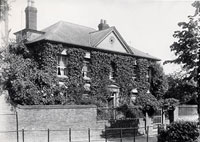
78	135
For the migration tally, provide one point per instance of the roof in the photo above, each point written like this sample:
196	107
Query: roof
75	34
142	54
68	33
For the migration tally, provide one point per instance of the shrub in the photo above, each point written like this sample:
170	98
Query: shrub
182	131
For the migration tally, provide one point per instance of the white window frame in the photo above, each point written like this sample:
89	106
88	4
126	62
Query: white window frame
61	67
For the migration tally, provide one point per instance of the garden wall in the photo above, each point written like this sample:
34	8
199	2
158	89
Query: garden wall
186	112
56	117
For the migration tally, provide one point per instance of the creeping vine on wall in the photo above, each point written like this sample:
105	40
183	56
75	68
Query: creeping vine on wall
44	55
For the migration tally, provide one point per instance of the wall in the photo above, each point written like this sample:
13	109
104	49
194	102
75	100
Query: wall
116	45
56	117
7	120
186	112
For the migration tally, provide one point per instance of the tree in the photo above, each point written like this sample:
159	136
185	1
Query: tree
180	89
187	46
4	8
159	84
27	81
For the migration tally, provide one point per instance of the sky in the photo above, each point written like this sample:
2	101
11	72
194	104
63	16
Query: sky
147	25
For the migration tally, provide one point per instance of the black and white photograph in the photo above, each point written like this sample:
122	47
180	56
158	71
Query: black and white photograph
99	71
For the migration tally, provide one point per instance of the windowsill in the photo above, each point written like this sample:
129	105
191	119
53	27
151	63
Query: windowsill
62	76
86	78
111	79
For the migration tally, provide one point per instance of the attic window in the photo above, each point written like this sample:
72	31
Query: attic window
111	39
87	55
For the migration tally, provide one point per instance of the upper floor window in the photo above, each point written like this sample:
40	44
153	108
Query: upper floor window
85	70
148	75
62	66
112	74
134	73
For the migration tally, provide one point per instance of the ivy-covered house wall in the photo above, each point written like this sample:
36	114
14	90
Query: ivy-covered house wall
68	63
103	78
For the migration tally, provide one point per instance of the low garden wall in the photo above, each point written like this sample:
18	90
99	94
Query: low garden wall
186	112
56	117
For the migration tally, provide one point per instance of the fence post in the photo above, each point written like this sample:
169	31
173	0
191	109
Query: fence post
17	125
22	135
120	135
70	138
147	133
48	137
105	134
88	134
134	134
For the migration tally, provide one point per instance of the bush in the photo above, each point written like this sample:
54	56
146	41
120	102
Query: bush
181	131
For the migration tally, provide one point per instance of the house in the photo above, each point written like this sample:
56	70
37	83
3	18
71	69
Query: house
103	51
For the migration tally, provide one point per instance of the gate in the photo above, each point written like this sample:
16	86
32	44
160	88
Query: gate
157	120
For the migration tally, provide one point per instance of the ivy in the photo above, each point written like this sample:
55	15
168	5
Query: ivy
39	69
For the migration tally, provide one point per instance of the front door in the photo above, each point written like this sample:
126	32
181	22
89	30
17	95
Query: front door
112	104
157	120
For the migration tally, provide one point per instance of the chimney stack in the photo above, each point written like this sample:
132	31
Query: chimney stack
103	25
31	16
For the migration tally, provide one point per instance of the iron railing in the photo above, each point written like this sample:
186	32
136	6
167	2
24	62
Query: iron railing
79	135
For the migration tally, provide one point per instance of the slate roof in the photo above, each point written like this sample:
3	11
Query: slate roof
75	34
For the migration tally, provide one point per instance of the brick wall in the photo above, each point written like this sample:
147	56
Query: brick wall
56	117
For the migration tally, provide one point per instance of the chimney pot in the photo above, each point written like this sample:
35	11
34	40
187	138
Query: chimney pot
29	3
103	25
32	3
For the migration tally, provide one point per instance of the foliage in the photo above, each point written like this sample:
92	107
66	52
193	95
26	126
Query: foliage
159	84
186	48
182	90
169	103
129	112
29	82
4	7
180	132
148	103
32	77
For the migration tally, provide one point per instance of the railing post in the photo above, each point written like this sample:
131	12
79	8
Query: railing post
17	125
147	133
70	136
134	134
88	134
105	134
120	135
48	137
22	135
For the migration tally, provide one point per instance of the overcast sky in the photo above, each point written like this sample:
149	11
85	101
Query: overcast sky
147	25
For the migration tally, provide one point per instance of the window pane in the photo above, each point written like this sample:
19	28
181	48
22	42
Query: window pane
59	73
65	71
62	61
